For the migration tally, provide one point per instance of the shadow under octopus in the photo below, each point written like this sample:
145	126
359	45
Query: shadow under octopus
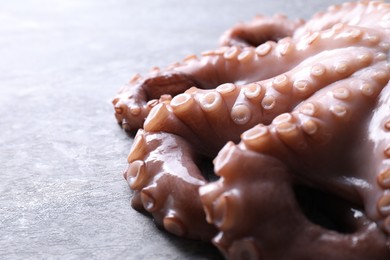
295	114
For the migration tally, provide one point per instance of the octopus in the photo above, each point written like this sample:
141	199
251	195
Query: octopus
275	145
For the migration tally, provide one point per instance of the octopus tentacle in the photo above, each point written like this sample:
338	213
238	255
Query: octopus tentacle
234	65
167	188
260	30
363	14
238	108
377	168
257	186
323	123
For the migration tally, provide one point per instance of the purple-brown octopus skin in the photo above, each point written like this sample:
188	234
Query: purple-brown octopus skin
295	114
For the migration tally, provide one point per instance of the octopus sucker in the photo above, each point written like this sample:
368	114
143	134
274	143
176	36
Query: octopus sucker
275	145
136	175
186	106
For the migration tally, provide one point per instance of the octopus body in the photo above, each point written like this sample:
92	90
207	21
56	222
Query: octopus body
296	118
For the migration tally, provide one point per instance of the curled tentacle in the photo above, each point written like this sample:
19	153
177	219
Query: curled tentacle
165	178
260	30
135	100
276	228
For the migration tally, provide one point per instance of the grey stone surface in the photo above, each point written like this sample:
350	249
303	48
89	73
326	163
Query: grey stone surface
62	195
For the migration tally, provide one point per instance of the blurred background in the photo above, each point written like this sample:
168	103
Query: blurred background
62	195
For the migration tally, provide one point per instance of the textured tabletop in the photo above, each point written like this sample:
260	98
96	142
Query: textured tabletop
62	194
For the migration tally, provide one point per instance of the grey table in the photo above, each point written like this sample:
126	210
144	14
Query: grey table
62	195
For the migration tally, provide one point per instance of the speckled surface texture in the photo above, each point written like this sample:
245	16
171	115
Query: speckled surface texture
62	195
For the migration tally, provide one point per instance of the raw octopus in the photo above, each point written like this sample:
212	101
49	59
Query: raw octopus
276	145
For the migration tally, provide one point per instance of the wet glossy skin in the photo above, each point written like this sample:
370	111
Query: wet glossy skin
280	104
